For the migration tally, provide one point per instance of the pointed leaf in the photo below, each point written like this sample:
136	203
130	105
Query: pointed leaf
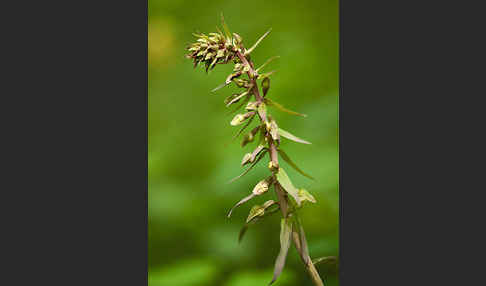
327	259
304	248
243	102
265	85
285	233
287	185
258	42
282	108
249	168
267	62
237	98
292	137
255	152
242	201
225	27
266	75
255	220
243	231
246	159
292	164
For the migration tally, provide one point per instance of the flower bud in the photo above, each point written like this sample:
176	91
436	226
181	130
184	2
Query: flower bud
240	118
246	159
253	105
272	166
261	187
237	120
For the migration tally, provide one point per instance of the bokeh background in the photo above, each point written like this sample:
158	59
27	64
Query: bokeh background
191	242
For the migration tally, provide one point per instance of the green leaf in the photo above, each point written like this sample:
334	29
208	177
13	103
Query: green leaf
255	220
227	81
249	168
246	159
267	62
287	185
285	233
225	27
257	151
257	42
236	98
243	102
266	75
265	85
292	164
282	108
304	248
292	137
326	259
242	201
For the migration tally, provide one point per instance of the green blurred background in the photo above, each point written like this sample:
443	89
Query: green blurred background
191	242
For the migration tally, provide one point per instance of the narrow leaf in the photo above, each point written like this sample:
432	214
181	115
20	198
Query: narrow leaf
225	27
285	233
258	42
236	98
287	185
327	259
282	108
267	62
265	85
243	102
292	137
254	221
242	201
292	164
304	250
266	75
249	168
219	87
256	152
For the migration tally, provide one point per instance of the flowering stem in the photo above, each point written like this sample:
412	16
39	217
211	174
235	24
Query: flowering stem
281	194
